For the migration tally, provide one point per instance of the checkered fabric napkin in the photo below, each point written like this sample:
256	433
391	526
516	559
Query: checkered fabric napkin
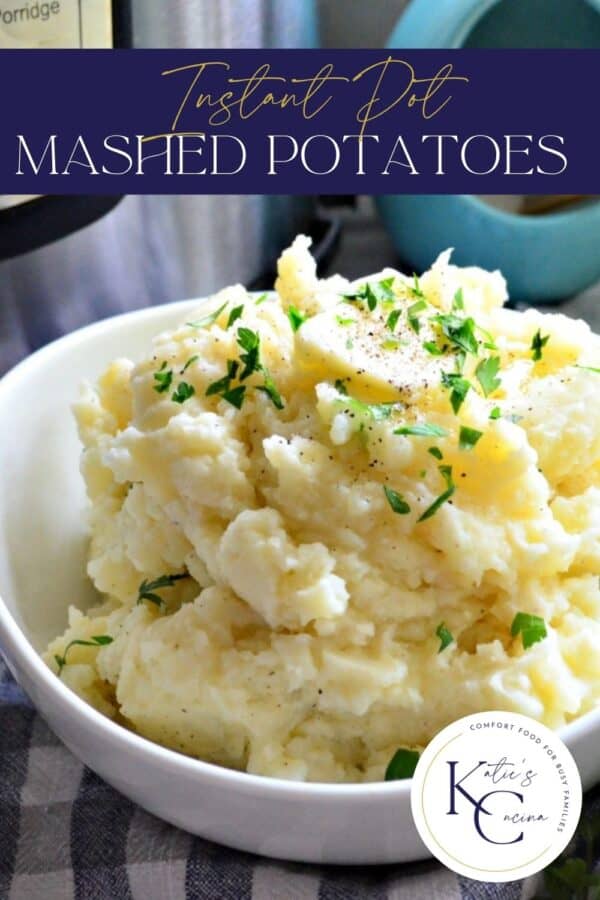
66	835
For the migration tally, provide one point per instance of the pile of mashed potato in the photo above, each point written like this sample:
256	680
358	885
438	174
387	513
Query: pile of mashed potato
328	521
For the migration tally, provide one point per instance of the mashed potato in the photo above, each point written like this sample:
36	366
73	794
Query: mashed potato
328	522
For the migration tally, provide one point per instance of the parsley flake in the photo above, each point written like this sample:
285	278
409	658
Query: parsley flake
100	640
344	321
296	318
531	628
189	363
392	344
444	635
250	342
424	430
537	345
375	411
146	590
340	386
402	764
261	299
433	348
435	452
373	293
235	314
458	301
392	319
163	379
183	392
396	501
223	384
468	437
415	288
271	391
235	395
413	318
458	386
460	332
486	373
589	369
210	319
446	473
495	413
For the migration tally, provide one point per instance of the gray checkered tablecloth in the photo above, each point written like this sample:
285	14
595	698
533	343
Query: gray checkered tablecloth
65	834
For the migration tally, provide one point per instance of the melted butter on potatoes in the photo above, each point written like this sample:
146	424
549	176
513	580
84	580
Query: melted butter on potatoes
330	521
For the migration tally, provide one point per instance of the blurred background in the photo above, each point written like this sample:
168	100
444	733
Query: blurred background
150	250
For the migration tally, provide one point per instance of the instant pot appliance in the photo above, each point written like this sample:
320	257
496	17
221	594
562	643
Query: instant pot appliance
145	250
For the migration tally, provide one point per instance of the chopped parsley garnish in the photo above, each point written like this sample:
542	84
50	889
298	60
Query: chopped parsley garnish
490	344
531	628
345	320
235	314
261	299
163	379
468	437
218	387
460	332
537	345
375	411
446	473
209	319
458	386
235	395
392	319
424	430
415	289
486	373
349	344
249	341
412	313
496	413
222	385
373	293
458	301
435	452
146	590
183	392
340	386
433	348
392	344
370	297
396	501
589	369
402	765
271	391
189	363
100	640
444	635
296	318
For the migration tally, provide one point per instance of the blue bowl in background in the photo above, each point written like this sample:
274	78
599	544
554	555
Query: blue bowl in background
543	258
546	257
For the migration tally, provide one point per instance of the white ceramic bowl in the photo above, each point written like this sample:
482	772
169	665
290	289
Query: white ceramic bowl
42	571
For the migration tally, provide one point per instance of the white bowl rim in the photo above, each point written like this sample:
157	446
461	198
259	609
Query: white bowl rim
37	669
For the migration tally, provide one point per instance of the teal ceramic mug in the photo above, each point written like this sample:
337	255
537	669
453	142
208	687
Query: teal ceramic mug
546	257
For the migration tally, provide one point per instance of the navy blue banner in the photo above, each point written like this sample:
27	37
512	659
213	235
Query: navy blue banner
303	121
